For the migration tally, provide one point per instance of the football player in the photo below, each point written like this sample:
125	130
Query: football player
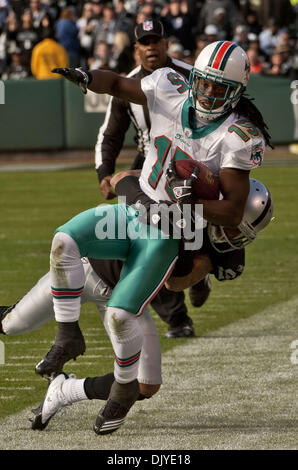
151	49
222	255
209	120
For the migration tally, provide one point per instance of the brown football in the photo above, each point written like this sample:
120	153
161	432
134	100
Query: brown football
206	186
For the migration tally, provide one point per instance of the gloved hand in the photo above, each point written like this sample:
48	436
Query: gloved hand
78	76
181	188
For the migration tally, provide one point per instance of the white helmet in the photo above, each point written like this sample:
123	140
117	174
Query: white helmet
225	63
258	212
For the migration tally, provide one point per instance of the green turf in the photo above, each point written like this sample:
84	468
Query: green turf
34	204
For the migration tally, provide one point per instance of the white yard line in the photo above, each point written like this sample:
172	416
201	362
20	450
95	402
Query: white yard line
235	388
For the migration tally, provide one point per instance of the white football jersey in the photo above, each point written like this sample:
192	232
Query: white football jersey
176	133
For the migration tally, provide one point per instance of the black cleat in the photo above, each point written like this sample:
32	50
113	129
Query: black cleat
184	330
57	356
37	419
112	415
110	418
199	293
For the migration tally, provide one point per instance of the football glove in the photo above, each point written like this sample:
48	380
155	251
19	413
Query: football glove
78	76
181	188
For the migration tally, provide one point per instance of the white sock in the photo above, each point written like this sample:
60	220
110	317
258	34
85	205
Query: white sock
73	390
126	336
67	278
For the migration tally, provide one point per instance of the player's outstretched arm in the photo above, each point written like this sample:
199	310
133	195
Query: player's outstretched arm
105	81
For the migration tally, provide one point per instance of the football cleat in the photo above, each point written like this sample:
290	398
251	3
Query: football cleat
110	418
54	400
4	310
199	293
57	356
113	413
184	330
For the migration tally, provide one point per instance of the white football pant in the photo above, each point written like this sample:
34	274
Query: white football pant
36	308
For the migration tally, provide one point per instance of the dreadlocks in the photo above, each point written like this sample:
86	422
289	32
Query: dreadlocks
246	108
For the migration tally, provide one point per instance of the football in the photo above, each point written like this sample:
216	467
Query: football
206	186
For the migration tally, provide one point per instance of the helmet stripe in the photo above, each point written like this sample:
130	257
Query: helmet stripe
215	52
222	55
226	56
264	212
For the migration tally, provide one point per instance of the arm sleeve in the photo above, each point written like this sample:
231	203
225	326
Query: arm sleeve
111	137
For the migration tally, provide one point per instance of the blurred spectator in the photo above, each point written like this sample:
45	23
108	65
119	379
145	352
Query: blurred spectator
53	8
222	24
252	23
11	29
269	37
281	62
254	43
97	7
46	25
241	36
171	40
26	38
17	6
256	65
87	14
47	55
15	70
106	28
37	12
284	50
176	51
201	42
178	23
3	12
86	35
294	72
123	51
84	24
131	6
125	22
211	32
103	58
207	13
2	50
284	39
148	8
194	9
67	34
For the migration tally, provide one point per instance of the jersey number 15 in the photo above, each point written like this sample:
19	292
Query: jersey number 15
163	145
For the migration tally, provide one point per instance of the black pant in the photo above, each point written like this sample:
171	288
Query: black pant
170	306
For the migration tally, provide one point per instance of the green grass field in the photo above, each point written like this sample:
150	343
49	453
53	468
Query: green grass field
34	204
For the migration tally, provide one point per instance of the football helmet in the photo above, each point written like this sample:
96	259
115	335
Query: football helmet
225	64
258	213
